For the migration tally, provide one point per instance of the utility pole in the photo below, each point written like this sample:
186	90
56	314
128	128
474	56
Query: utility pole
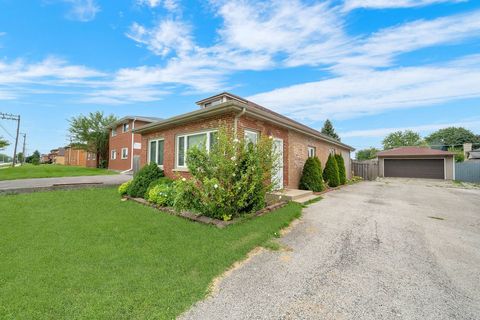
9	116
24	155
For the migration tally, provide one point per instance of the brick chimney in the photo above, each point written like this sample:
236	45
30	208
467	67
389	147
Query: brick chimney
467	147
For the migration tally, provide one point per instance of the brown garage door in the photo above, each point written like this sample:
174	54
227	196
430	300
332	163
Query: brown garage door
414	168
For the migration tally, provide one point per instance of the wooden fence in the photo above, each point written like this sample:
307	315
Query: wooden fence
368	170
468	171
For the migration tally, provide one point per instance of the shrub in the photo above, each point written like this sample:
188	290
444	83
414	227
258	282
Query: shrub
342	174
230	180
330	173
161	194
162	180
312	175
142	180
123	188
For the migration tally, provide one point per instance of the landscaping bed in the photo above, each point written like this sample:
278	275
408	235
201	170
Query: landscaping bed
87	254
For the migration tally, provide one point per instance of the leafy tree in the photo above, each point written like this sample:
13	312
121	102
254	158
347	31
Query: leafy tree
452	136
342	174
459	155
330	173
3	143
20	157
34	158
91	132
312	175
367	154
402	139
329	130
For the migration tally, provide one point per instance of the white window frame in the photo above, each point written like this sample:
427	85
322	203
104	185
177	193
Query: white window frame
114	132
185	145
150	150
113	154
125	125
256	133
126	154
312	151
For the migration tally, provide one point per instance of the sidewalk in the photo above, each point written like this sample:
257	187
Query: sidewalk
43	184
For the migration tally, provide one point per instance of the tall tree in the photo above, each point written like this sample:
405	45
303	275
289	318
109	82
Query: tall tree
367	154
329	130
90	131
3	143
451	137
402	139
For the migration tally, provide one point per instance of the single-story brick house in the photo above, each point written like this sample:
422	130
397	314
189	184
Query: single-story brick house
416	162
75	156
166	142
124	144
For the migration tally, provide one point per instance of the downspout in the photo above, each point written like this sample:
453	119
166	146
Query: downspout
235	121
131	150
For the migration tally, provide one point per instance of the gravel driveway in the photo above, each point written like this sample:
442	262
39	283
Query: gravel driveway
392	249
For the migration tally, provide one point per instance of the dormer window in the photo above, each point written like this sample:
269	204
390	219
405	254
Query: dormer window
218	99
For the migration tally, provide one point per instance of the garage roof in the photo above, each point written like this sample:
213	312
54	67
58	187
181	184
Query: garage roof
414	151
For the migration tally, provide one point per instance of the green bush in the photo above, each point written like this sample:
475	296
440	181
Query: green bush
162	180
230	180
123	188
342	174
330	173
161	194
143	179
312	175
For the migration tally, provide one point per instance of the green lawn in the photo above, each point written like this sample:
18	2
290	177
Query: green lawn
29	171
84	254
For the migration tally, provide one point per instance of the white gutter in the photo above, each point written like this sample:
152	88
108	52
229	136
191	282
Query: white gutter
131	150
235	121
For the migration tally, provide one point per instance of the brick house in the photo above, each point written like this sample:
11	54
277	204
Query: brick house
124	144
166	142
75	156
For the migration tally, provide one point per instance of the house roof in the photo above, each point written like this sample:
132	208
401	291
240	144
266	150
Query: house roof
237	105
140	118
414	151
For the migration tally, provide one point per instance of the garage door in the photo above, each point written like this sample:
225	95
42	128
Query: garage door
414	168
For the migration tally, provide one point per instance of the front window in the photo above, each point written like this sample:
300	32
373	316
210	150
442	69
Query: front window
124	153
114	154
185	142
114	132
125	127
312	151
251	136
156	148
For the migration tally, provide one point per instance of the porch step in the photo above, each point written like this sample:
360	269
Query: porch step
290	194
305	199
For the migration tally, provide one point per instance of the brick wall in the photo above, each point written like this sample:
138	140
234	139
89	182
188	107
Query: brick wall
124	140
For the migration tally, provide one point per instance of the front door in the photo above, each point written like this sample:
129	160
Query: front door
278	174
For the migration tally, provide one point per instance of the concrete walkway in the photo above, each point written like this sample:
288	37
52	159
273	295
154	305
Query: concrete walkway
31	185
395	249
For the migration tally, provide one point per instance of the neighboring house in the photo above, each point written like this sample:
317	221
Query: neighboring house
57	156
474	155
45	158
124	144
166	142
75	156
416	162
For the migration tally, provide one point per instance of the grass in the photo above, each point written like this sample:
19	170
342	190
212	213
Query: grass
84	254
29	171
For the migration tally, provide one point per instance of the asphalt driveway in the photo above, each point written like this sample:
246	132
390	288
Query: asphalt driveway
394	249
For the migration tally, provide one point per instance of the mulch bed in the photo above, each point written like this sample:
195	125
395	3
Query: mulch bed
203	219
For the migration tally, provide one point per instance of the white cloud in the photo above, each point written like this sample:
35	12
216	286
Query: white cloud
82	10
170	5
383	4
427	128
372	92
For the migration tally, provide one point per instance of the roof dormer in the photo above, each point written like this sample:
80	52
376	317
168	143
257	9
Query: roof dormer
217	99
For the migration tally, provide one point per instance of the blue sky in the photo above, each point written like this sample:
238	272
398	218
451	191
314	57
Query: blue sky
371	66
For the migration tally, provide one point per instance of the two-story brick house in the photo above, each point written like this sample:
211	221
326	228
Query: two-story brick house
166	142
124	144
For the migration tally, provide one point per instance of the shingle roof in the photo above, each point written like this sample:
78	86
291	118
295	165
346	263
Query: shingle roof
414	151
140	118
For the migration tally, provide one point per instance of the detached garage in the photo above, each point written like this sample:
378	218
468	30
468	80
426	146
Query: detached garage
416	162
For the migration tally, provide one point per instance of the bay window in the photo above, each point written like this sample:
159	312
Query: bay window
204	139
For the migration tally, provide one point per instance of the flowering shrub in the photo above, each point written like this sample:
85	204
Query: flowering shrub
230	180
160	194
123	188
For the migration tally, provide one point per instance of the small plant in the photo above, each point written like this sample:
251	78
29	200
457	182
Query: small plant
312	175
161	194
355	179
341	169
330	173
123	188
143	179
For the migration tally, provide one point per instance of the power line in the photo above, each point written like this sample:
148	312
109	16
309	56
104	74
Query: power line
9	116
7	131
